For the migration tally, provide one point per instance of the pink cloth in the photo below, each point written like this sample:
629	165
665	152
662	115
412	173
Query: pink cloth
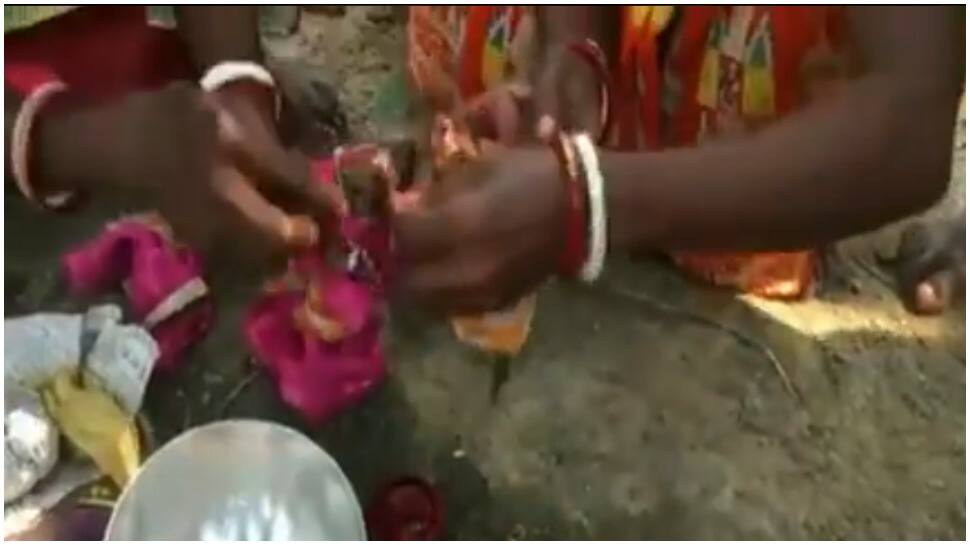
316	377
150	267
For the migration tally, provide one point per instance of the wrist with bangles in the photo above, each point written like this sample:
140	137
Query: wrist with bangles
247	77
585	229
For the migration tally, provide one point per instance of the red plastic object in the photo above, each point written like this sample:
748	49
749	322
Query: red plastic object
405	510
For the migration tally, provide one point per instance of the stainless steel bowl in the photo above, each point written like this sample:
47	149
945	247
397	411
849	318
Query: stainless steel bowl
239	480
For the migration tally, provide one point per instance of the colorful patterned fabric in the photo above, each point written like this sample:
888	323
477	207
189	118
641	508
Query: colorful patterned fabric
723	72
460	51
728	71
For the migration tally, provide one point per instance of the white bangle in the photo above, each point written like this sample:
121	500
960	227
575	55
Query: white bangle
22	144
597	228
227	72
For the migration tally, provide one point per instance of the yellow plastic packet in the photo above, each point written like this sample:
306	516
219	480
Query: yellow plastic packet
95	423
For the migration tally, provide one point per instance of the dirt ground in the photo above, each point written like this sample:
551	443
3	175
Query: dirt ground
645	407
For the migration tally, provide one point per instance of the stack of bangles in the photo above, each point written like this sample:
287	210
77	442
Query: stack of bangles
585	230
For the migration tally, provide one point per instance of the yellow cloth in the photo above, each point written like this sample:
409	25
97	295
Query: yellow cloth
94	422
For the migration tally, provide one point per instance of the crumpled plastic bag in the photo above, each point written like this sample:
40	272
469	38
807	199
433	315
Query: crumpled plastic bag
30	441
41	349
94	423
37	347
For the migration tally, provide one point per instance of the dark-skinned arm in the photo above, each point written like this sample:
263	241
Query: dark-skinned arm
211	34
567	86
219	33
565	24
877	152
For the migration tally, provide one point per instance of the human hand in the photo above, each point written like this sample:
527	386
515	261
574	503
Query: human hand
485	234
568	93
207	163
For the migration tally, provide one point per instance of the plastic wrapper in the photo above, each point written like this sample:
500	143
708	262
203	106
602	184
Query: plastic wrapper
30	441
42	356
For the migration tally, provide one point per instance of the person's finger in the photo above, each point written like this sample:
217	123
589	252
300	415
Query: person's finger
577	97
278	227
259	155
565	98
547	98
497	114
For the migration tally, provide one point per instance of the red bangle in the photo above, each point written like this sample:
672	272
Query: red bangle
575	240
590	51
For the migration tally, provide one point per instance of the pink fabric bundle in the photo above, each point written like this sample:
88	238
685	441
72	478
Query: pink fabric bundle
163	282
315	376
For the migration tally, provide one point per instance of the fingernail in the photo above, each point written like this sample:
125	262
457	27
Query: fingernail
928	298
546	128
301	231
